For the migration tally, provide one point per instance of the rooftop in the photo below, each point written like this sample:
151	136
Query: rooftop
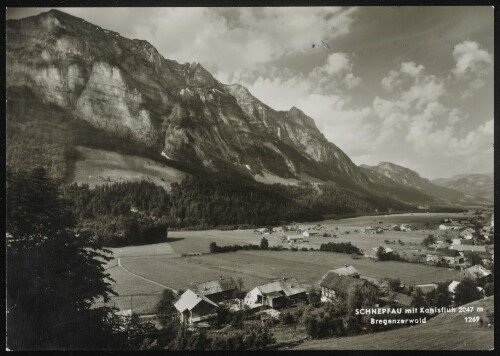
216	286
189	299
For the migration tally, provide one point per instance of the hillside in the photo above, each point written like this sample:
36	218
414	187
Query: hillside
443	332
479	185
386	173
120	95
127	89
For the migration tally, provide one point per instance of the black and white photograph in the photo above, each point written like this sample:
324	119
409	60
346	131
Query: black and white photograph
261	178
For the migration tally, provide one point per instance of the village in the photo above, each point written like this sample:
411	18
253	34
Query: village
464	245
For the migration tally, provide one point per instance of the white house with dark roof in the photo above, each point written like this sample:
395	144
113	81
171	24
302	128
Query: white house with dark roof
276	294
193	307
218	290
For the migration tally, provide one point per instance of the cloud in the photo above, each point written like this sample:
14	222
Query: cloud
396	78
416	116
472	65
227	41
335	74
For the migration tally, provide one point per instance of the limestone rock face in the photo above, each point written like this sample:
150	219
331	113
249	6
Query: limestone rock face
127	88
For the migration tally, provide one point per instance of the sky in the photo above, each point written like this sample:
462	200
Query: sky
408	85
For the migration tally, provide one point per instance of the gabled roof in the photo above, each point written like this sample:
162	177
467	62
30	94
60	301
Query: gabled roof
289	286
468	247
189	299
346	271
386	249
217	286
478	271
426	288
341	284
445	252
481	254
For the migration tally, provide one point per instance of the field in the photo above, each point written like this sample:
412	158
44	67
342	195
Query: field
444	332
96	167
163	264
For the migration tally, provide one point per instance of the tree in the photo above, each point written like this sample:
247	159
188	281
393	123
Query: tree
429	240
314	297
54	273
466	292
165	310
264	244
418	299
489	289
213	247
381	255
475	259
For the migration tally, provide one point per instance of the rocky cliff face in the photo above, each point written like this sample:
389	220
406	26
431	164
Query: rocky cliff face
127	88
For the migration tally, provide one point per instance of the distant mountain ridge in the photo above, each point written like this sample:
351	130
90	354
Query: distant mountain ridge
479	185
385	172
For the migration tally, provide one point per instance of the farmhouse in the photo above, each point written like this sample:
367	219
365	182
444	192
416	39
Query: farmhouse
194	308
444	255
478	273
452	288
426	288
334	286
219	290
277	294
466	234
263	230
372	253
346	271
295	238
310	233
405	227
484	256
369	230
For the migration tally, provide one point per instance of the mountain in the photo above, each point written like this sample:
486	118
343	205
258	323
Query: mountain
392	175
479	185
78	94
126	89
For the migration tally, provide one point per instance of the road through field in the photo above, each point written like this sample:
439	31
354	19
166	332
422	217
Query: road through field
146	279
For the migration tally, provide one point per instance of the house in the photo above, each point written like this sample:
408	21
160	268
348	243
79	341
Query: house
478	273
295	238
194	308
467	234
263	230
310	233
276	294
369	230
346	271
483	255
372	253
405	227
450	226
392	227
334	286
426	288
444	255
452	289
218	290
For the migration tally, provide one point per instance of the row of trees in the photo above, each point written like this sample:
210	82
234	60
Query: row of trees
341	247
